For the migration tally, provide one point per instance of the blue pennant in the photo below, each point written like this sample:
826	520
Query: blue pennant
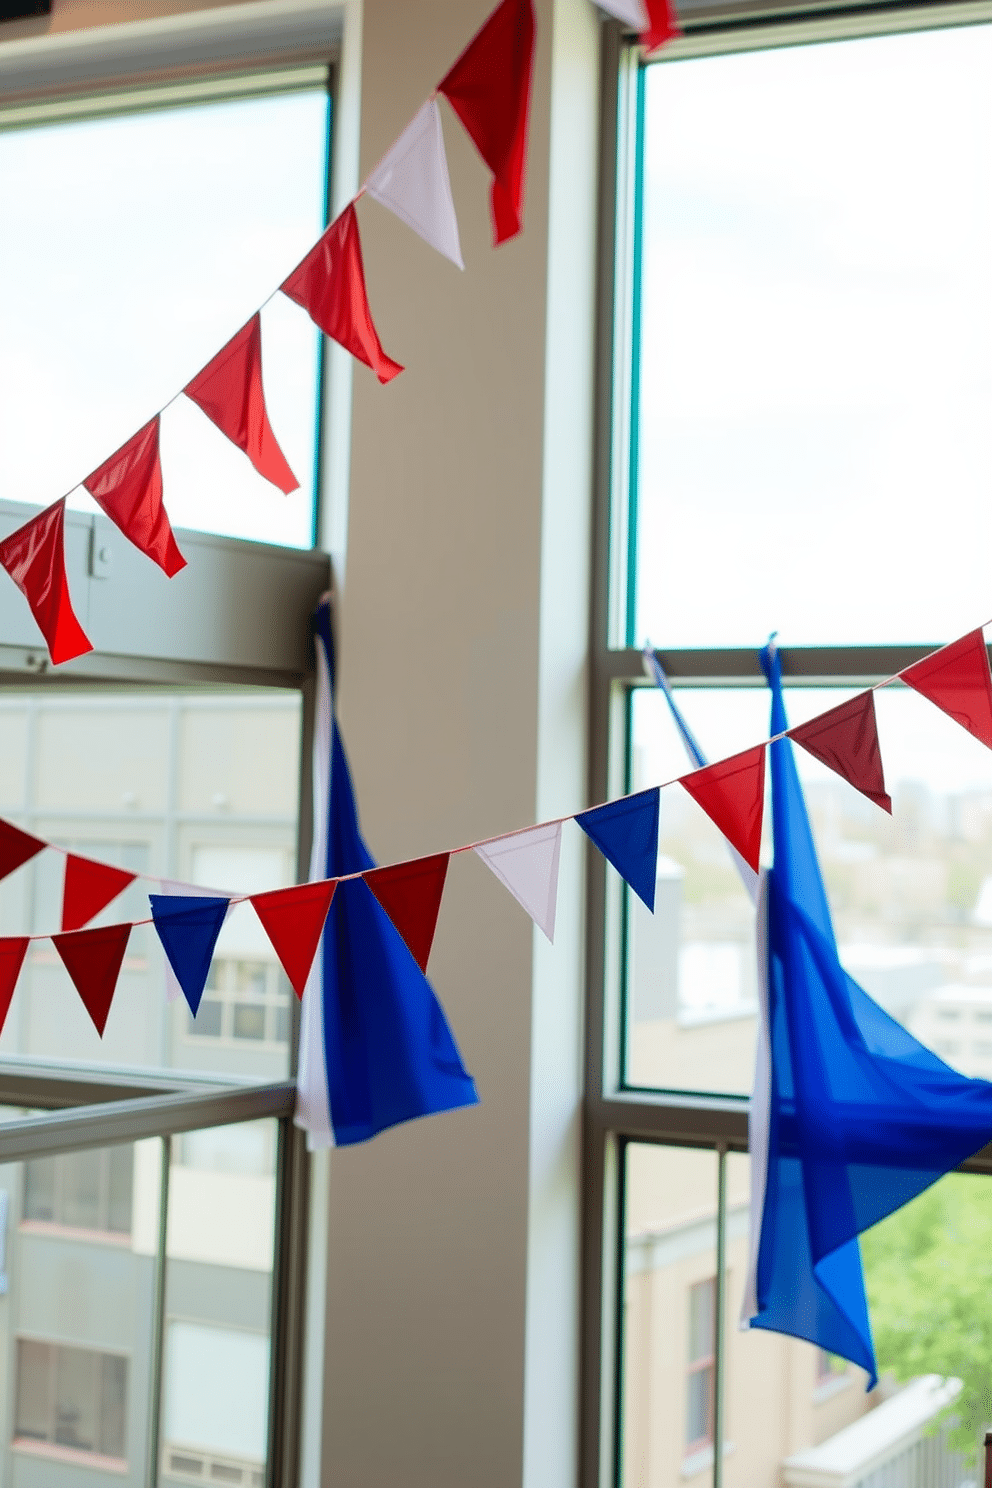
188	928
626	833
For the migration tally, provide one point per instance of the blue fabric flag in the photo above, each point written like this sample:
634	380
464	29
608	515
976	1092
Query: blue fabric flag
626	833
851	1118
376	1048
188	928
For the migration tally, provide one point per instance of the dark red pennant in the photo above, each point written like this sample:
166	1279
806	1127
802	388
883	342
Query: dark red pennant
16	847
128	487
230	392
732	793
489	90
13	949
845	739
93	959
34	556
293	920
957	680
662	25
89	887
330	285
410	893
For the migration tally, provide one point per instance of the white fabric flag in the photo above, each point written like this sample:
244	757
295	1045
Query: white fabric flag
632	12
527	863
412	181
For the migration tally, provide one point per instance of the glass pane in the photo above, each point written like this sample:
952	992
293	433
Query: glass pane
81	1173
76	1380
910	894
120	1178
816	316
34	1378
152	289
39	1189
218	1285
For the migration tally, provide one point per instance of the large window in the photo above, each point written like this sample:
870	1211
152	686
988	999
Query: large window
799	316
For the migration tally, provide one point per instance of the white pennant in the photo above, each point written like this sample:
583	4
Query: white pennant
527	863
412	181
632	12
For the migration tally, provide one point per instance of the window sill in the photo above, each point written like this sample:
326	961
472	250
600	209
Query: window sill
701	1460
835	1385
69	1456
70	1232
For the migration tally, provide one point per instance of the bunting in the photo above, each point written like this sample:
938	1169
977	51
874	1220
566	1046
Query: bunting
526	863
128	487
732	793
293	919
88	888
410	893
626	833
229	391
412	181
16	847
845	739
188	928
956	678
13	949
330	285
93	959
34	556
489	89
662	25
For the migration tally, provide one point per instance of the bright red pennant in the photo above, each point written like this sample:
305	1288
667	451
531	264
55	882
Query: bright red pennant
16	847
93	959
662	24
489	90
293	920
89	887
956	679
330	285
410	893
845	739
732	793
34	556
229	390
13	949
128	487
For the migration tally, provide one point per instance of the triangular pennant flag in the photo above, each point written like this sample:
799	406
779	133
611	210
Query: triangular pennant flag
527	864
230	392
330	285
16	847
13	949
412	180
93	959
732	793
89	887
410	893
34	556
188	928
626	833
128	487
489	90
662	25
845	739
956	679
633	13
293	920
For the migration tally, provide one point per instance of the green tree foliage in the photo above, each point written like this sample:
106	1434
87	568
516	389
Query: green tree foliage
928	1270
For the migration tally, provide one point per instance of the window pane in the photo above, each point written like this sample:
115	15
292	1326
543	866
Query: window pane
76	1379
152	289
816	314
81	1174
120	1165
39	1189
113	1405
34	1368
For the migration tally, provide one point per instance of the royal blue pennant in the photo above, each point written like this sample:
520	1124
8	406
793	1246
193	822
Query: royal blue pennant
188	928
626	833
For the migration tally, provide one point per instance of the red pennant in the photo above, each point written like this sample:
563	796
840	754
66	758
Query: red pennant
845	739
732	793
128	487
957	680
13	949
89	887
410	893
293	920
662	25
229	390
330	285
489	90
93	959
34	556
16	847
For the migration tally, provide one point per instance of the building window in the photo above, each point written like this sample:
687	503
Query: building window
246	1001
71	1397
81	1190
700	1373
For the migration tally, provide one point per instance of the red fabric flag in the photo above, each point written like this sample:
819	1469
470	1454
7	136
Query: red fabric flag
230	392
957	680
489	90
34	556
16	847
845	739
662	24
330	285
13	949
128	487
89	887
293	920
93	959
410	893
732	793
